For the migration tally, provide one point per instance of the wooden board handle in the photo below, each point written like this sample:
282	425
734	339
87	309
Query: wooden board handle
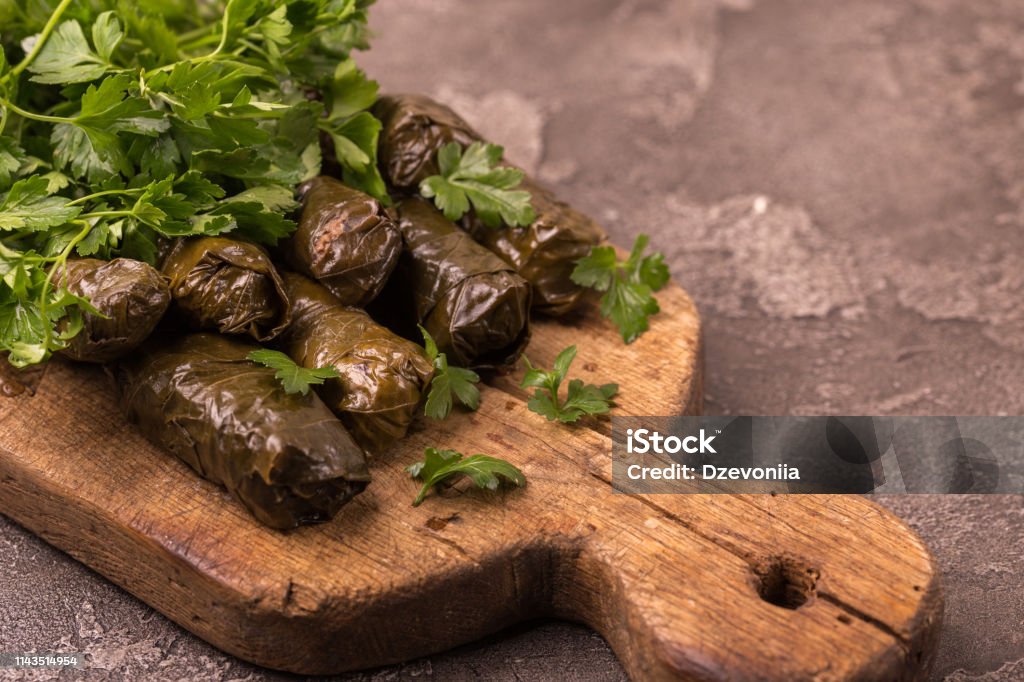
678	604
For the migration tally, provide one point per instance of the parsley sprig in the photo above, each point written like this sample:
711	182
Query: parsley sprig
293	377
118	128
474	177
580	399
440	466
628	285
449	383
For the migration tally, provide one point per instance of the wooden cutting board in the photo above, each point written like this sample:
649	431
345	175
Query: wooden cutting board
681	586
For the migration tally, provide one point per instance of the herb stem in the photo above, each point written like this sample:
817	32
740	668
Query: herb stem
40	41
200	42
106	214
255	48
58	264
253	116
222	43
97	195
224	26
195	34
7	104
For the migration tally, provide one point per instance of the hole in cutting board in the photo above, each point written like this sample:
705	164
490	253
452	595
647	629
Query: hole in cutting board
786	581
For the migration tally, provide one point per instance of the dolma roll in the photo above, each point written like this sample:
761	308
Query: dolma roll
345	240
228	286
415	128
473	303
284	456
382	375
544	253
132	295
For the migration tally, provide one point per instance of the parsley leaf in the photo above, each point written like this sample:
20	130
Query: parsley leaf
106	35
439	466
294	378
91	142
67	58
22	328
581	398
350	91
12	156
257	213
354	132
25	325
628	285
355	145
28	206
72	147
449	383
275	27
474	177
110	108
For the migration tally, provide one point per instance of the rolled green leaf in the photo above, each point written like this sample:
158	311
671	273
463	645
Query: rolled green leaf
344	240
227	286
383	376
473	303
131	294
284	456
415	128
544	253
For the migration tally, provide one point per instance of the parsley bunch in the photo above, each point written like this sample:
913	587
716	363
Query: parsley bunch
628	285
121	123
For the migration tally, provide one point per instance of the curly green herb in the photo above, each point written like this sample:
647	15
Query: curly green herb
120	128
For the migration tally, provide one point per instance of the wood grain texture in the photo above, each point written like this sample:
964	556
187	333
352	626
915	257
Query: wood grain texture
673	582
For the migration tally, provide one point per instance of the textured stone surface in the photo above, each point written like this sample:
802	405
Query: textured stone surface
839	185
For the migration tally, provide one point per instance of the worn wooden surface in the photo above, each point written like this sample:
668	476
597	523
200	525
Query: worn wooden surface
675	583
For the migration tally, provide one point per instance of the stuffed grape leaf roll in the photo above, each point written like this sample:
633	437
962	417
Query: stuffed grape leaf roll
382	375
544	253
131	294
472	302
284	456
228	286
345	240
415	128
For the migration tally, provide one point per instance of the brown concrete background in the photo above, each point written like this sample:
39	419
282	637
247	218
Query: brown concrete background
839	184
